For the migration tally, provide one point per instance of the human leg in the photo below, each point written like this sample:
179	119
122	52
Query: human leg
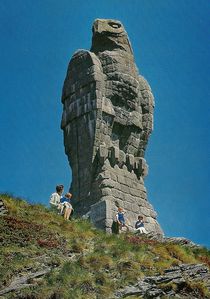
127	228
142	230
69	210
61	208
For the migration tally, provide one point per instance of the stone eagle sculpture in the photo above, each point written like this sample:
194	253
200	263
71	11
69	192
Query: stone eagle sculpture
107	119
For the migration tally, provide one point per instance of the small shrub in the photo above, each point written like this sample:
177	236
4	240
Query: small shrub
196	289
48	243
203	255
95	261
179	253
205	260
137	240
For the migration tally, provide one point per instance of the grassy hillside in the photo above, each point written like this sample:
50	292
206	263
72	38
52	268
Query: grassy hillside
80	261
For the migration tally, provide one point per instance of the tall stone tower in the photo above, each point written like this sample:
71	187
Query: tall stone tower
107	119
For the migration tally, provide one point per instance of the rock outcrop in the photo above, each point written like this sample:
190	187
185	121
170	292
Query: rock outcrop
3	209
107	120
24	281
176	282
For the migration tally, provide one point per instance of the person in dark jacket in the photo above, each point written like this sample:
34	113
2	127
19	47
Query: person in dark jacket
139	226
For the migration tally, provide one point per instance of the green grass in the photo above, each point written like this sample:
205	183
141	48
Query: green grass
86	262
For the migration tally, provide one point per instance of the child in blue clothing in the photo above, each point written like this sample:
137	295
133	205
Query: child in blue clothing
66	204
121	219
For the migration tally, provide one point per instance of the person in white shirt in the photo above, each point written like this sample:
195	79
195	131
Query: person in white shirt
55	198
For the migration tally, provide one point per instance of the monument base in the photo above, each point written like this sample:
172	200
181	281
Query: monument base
120	188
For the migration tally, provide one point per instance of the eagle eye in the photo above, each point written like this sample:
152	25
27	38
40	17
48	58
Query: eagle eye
114	25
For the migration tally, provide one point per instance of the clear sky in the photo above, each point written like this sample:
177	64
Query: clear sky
171	43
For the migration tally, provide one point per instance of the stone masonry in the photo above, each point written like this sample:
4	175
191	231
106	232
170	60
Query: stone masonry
107	119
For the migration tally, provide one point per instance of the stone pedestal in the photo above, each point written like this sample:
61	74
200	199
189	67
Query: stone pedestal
119	187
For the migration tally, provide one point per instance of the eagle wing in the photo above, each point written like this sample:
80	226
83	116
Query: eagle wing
147	106
82	85
81	98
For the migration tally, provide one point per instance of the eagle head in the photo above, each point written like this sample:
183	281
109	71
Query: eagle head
109	35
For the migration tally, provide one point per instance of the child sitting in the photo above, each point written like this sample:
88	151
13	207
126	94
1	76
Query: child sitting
139	226
66	204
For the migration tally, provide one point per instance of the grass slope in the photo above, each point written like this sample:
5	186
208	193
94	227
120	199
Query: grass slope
85	262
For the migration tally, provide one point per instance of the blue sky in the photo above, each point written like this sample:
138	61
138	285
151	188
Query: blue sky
171	44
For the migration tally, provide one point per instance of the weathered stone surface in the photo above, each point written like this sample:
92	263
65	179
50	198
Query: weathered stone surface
107	119
153	286
181	241
3	209
23	281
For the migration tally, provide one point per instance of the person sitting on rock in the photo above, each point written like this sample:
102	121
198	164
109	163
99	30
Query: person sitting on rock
66	205
121	219
55	198
139	226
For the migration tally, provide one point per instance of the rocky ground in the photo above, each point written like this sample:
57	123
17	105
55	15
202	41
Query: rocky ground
174	282
42	256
